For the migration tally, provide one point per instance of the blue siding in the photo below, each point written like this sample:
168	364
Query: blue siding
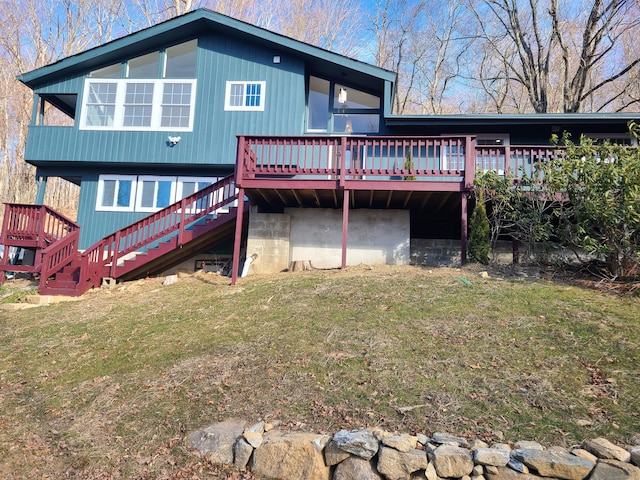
209	150
213	140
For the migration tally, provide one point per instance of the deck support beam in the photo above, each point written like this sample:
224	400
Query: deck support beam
235	264
463	230
345	227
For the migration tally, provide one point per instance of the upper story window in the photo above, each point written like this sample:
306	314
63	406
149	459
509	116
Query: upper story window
336	108
156	93
245	96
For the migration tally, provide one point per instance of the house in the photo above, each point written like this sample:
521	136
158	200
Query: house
204	136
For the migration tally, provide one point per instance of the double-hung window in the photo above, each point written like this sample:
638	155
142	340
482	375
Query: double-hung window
138	105
245	96
155	91
100	105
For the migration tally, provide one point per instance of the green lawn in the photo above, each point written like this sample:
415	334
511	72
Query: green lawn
107	387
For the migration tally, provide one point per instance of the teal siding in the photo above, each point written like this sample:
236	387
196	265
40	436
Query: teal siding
209	150
213	139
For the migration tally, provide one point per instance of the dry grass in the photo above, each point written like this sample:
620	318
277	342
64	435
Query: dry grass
107	387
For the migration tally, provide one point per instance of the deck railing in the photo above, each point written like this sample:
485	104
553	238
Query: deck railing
173	219
35	223
31	226
514	160
354	158
453	159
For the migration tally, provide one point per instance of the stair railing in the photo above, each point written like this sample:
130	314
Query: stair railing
58	255
101	259
32	226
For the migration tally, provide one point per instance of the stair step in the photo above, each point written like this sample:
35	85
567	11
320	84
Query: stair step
62	284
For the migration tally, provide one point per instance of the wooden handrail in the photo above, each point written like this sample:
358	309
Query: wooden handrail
58	255
444	158
173	219
39	223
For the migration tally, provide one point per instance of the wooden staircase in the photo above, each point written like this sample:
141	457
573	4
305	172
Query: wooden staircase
146	247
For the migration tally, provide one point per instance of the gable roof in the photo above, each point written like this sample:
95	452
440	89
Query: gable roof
189	26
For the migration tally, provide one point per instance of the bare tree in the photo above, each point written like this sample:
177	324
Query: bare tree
566	59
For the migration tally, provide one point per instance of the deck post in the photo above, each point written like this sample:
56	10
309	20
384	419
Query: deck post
463	230
235	264
41	182
345	227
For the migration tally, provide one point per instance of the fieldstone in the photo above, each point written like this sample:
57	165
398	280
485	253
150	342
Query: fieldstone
170	280
217	441
517	466
452	461
635	456
256	427
491	456
476	444
380	433
396	465
321	442
356	468
402	443
445	438
242	453
603	448
614	470
430	448
292	456
557	449
419	475
253	438
333	454
477	470
430	472
582	453
553	464
502	446
505	473
361	443
422	438
528	445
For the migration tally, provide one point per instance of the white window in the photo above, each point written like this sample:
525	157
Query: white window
245	96
127	104
116	193
155	193
149	193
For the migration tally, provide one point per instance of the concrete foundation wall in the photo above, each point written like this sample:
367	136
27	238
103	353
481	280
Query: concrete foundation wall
375	237
269	237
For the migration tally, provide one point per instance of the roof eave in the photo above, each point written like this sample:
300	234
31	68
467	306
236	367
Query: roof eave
203	19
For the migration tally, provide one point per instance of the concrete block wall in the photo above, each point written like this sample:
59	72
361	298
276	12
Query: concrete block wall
376	237
269	235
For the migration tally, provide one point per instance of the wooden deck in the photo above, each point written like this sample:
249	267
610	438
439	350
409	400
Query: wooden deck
378	172
416	173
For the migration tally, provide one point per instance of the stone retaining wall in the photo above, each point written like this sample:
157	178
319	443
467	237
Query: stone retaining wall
373	454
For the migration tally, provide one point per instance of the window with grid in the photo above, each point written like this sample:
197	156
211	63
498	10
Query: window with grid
101	104
176	105
245	96
138	105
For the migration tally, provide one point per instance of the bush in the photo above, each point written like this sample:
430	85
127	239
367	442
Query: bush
479	247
